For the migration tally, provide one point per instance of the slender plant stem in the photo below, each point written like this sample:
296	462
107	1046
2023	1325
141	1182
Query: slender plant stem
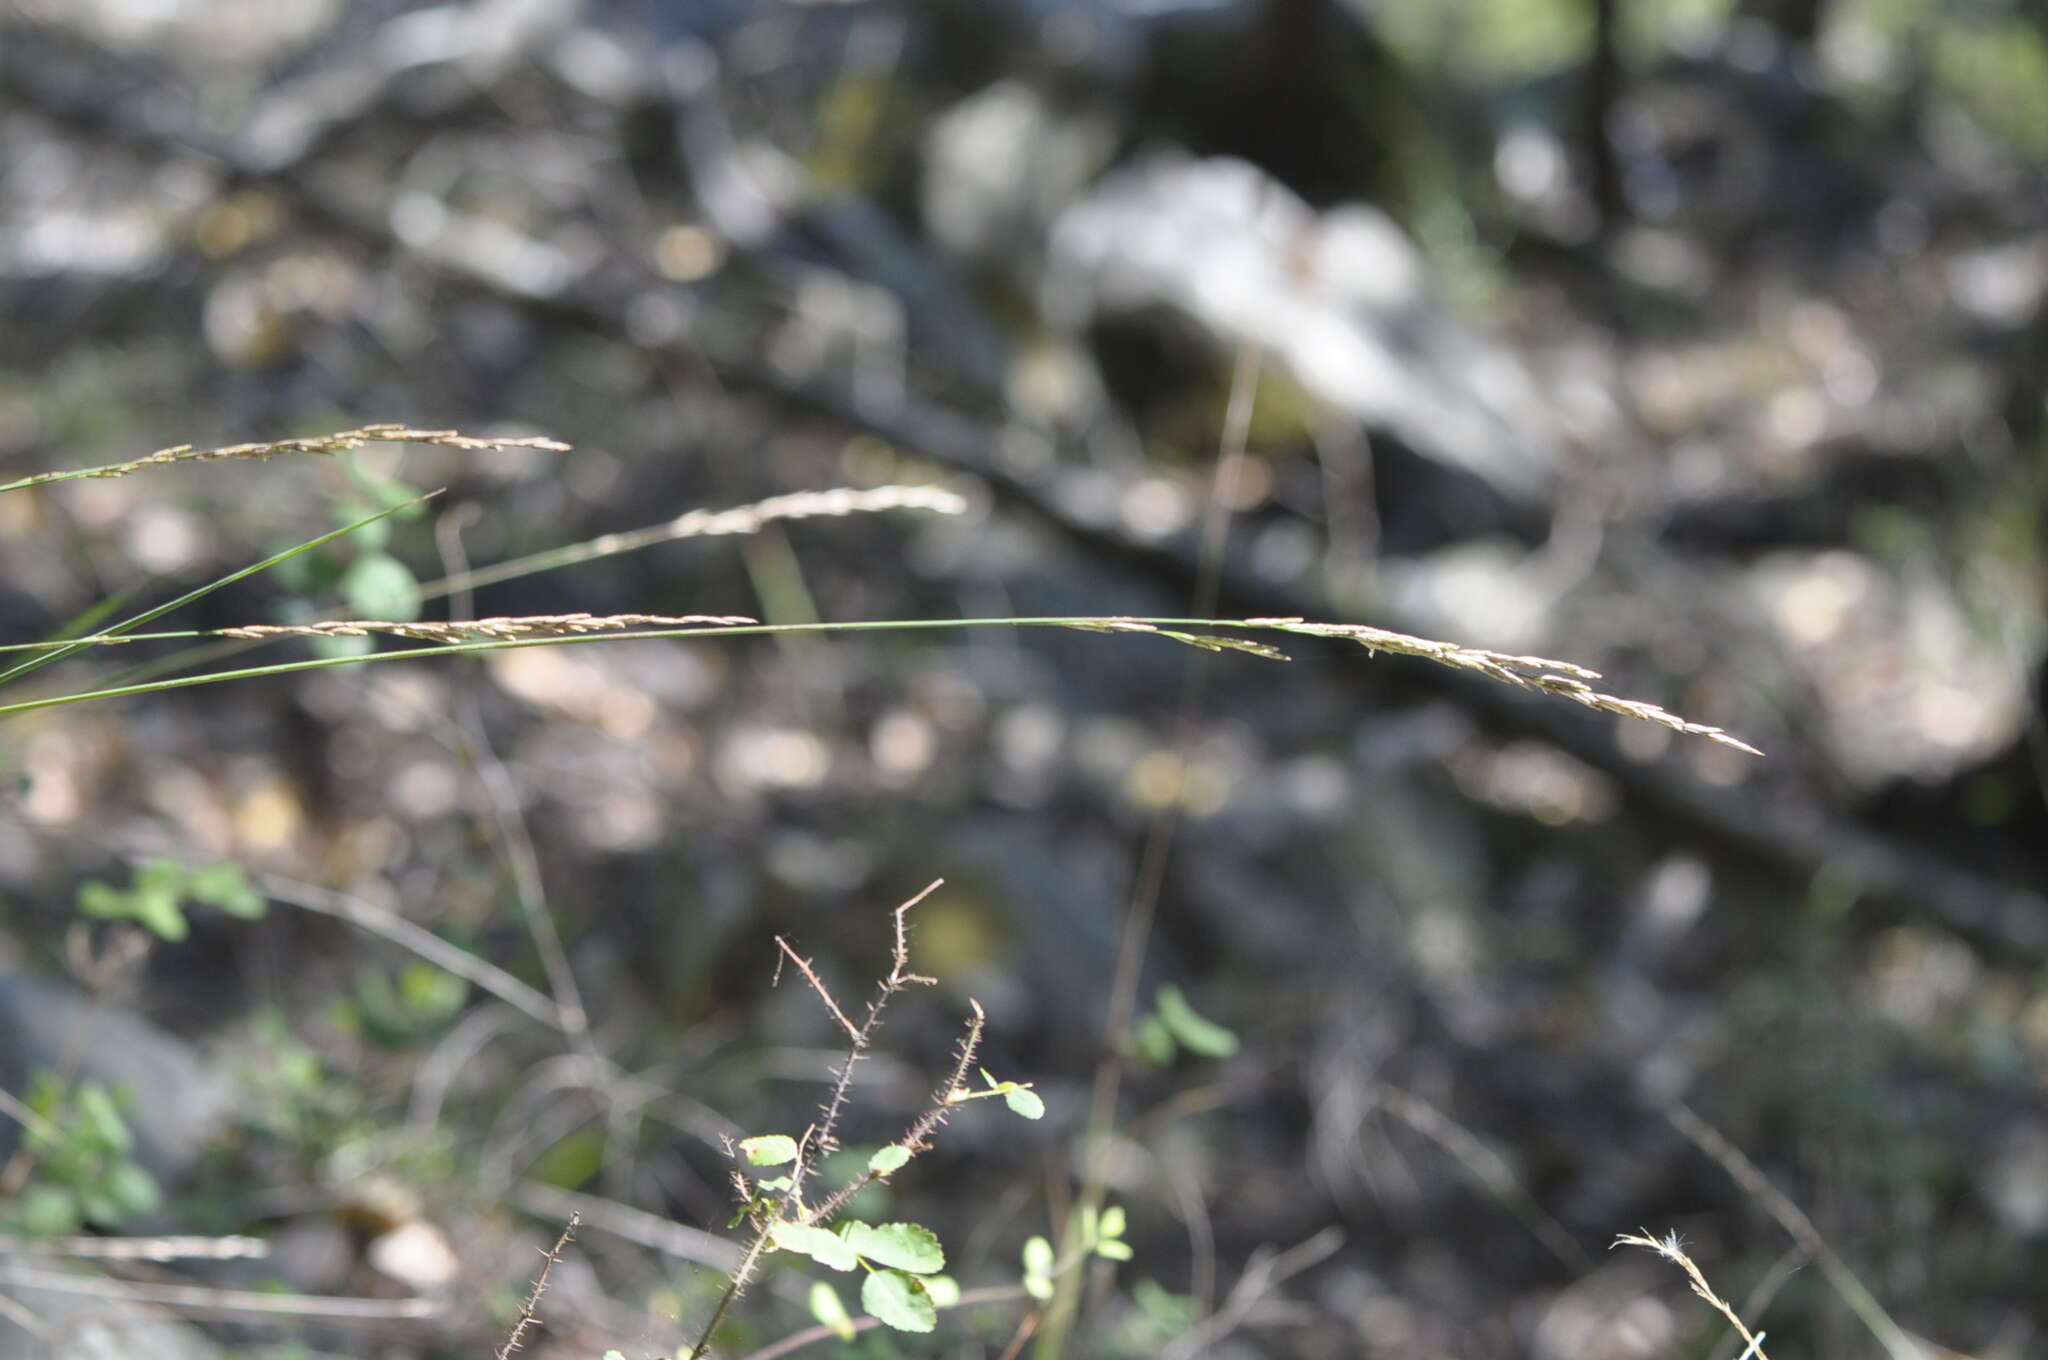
1136	933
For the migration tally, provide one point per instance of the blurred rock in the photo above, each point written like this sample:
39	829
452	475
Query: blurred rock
178	1101
1341	298
82	1325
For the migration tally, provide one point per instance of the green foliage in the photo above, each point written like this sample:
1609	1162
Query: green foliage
371	582
1101	1235
1018	1095
157	897
770	1149
1039	1261
899	1246
573	1161
827	1308
822	1245
899	1300
404	1008
85	1172
294	1101
1160	1316
1172	1025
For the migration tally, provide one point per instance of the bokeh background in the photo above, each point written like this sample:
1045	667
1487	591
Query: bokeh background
1699	342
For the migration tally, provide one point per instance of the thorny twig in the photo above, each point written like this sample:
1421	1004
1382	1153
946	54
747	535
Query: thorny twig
820	1138
529	1311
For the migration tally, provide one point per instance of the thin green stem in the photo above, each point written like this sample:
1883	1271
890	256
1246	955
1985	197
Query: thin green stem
57	650
507	644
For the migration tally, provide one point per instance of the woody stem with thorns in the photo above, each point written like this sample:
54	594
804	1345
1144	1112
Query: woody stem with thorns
821	1138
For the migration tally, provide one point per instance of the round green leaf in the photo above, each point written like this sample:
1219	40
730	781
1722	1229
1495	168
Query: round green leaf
770	1149
820	1244
379	586
899	1300
96	898
1024	1102
161	876
1113	1250
943	1289
158	910
44	1211
888	1159
1152	1042
830	1312
225	886
1114	1221
100	1116
901	1246
1038	1256
132	1190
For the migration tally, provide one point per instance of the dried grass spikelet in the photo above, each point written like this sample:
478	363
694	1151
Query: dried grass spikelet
1563	678
486	630
341	441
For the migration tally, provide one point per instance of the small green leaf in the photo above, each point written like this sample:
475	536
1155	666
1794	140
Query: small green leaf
100	1116
161	875
830	1312
224	885
1038	1256
821	1245
1111	1249
96	898
1201	1036
888	1159
159	912
131	1191
572	1162
1114	1221
379	586
430	994
44	1211
776	1184
944	1290
1152	1042
770	1149
899	1300
1038	1286
901	1246
1025	1102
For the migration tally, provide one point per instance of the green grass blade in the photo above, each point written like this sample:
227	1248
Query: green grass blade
472	648
199	593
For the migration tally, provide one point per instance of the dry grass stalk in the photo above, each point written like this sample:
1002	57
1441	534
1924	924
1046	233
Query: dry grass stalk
492	629
209	1301
750	519
744	519
342	441
1561	678
1800	1229
1672	1249
137	1248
